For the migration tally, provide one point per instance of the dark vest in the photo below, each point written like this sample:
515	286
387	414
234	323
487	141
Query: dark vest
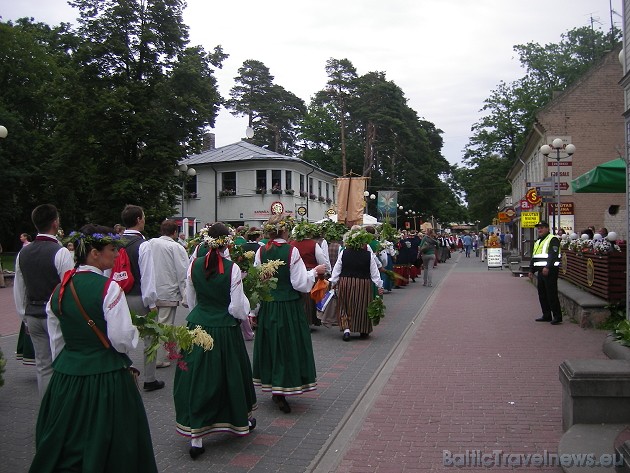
132	246
37	263
251	246
284	290
213	296
307	252
355	264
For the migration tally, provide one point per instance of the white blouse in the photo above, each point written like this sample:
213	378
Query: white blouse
239	304
122	334
301	279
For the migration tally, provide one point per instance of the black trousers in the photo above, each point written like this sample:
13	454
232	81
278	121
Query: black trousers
548	295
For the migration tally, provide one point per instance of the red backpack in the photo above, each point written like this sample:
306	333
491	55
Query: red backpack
121	272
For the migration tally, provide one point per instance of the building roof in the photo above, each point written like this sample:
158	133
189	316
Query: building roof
244	151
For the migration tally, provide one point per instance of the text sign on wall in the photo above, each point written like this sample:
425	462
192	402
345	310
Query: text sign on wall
529	219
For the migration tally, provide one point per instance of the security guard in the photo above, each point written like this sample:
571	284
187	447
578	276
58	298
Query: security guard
546	262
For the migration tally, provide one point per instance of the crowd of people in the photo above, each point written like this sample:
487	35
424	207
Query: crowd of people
76	304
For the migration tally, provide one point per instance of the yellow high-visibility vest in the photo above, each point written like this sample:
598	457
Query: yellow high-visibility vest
541	252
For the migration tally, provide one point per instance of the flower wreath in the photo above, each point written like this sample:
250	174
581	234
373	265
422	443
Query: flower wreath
286	224
357	239
81	239
216	242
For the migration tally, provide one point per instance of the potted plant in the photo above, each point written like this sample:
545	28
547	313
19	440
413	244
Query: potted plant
303	194
321	198
289	191
276	190
227	192
192	195
261	190
328	200
312	196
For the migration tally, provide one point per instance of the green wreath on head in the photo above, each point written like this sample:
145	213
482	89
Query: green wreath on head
357	239
332	231
304	230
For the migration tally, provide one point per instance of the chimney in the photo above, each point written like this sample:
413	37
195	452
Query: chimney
208	142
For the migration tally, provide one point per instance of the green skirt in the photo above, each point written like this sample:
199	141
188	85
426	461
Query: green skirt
94	423
24	350
283	350
215	393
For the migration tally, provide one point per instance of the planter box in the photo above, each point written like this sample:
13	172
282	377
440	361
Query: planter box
601	275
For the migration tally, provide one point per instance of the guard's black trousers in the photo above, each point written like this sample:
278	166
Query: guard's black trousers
548	295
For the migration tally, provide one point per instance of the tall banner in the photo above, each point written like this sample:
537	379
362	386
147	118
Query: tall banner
350	200
387	205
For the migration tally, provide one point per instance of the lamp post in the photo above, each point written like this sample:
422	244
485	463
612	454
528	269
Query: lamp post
3	132
367	195
557	145
185	172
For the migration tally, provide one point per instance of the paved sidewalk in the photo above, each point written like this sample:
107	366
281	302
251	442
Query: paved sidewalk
458	366
477	374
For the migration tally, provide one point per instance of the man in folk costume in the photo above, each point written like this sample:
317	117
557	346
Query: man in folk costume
545	263
142	298
312	255
39	267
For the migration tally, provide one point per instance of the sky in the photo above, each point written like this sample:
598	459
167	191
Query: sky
446	55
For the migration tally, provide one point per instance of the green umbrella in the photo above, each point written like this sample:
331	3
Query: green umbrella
609	177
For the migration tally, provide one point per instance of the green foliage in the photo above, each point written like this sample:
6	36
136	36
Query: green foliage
304	230
622	332
357	239
617	315
332	231
388	232
259	281
376	310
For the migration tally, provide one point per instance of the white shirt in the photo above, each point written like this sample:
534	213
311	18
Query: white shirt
301	279
147	272
64	261
321	256
239	304
122	334
170	262
374	273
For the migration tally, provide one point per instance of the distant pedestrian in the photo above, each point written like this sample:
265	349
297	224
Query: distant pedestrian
467	241
26	239
182	241
428	248
507	241
545	263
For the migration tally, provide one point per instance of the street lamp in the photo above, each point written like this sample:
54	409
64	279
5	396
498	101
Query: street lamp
367	195
3	132
557	145
185	172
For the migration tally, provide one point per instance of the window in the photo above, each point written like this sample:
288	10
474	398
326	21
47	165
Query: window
310	185
276	180
327	191
191	187
228	183
319	188
302	183
261	180
334	194
287	180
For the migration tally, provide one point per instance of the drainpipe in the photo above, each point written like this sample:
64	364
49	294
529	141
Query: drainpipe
216	193
308	191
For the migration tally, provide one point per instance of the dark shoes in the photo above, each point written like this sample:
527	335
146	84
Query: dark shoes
282	403
543	319
195	451
552	321
346	336
556	322
154	386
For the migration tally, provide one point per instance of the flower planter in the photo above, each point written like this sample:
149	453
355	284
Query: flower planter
289	191
603	275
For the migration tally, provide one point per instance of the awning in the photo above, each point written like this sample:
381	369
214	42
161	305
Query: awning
609	177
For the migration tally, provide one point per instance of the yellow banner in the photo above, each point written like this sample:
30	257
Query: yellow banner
529	219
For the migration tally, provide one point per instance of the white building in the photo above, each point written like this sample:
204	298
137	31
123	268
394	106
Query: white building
244	184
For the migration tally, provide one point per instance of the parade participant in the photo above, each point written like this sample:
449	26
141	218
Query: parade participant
39	267
92	417
215	393
283	352
428	247
353	275
545	263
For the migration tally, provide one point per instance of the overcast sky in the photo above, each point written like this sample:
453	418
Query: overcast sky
446	55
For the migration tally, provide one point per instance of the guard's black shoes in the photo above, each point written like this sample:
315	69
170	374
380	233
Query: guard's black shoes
543	319
556	322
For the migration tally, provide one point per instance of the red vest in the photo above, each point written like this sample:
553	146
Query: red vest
307	252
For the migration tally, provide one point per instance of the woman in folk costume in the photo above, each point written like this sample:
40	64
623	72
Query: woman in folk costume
353	275
215	393
283	352
312	255
92	417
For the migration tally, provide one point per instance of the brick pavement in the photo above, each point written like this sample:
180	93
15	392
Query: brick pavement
458	366
478	374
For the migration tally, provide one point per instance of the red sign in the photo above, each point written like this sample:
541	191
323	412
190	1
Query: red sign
566	208
533	197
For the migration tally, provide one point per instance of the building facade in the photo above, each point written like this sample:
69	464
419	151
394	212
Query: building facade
244	184
589	114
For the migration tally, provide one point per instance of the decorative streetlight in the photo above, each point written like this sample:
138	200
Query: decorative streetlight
367	195
185	172
557	145
3	132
